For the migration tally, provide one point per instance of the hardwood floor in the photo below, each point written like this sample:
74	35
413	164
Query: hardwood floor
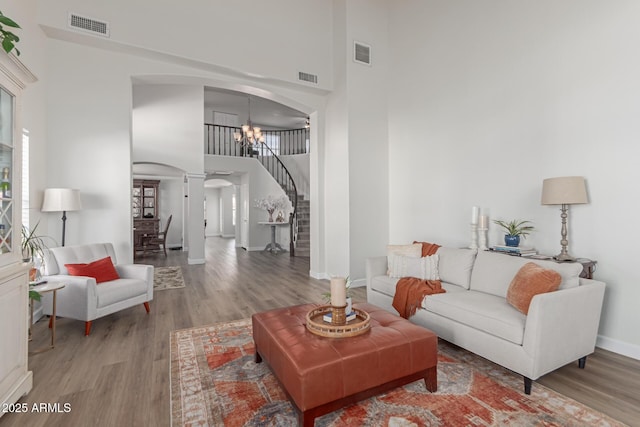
119	375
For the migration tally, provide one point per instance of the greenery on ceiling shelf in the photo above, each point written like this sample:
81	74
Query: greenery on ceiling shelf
8	38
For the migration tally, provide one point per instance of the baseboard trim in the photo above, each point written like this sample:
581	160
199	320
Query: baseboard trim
620	347
192	261
319	276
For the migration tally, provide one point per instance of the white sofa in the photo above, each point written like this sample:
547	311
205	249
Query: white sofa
83	299
560	327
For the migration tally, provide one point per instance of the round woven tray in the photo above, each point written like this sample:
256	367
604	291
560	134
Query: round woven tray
355	327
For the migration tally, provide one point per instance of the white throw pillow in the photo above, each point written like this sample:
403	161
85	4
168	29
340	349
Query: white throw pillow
425	268
412	251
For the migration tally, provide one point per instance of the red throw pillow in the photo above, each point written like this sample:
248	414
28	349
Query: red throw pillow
102	270
530	281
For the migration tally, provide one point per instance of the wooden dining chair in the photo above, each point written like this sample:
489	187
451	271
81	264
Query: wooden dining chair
159	240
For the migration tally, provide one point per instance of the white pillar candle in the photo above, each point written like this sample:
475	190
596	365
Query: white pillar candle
484	221
475	211
338	291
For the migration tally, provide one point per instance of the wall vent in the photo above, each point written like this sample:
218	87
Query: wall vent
89	25
361	53
307	77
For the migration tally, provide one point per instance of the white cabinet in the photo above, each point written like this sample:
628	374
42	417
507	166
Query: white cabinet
15	378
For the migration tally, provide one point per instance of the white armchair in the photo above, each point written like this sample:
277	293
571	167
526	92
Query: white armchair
83	299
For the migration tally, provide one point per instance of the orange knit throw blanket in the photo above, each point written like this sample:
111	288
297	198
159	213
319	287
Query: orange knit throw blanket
410	291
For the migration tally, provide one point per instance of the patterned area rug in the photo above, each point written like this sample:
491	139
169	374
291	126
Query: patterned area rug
215	382
167	278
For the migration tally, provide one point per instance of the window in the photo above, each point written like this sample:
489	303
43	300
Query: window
25	178
272	141
233	209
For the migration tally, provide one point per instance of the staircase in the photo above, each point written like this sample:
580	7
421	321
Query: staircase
219	141
303	242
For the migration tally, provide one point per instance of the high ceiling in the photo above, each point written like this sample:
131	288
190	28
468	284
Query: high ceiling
263	111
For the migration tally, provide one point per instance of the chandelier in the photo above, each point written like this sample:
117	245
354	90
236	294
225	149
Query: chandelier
250	135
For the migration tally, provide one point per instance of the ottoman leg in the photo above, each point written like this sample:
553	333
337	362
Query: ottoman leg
431	379
257	357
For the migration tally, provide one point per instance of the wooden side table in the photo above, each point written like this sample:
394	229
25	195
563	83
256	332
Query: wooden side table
588	267
44	288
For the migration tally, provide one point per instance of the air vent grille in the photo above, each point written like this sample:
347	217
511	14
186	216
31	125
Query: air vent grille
307	77
92	26
361	53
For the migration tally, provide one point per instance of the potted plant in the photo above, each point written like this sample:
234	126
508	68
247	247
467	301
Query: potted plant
8	38
514	229
33	248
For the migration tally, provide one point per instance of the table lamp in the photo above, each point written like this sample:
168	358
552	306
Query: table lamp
564	191
61	200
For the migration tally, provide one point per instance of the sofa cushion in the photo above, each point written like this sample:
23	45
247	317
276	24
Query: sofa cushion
455	265
425	268
493	272
387	285
117	291
479	310
530	281
102	270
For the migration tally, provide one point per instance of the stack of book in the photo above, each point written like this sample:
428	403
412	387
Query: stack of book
514	250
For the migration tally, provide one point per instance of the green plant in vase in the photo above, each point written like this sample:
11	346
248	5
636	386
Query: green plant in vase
514	230
33	248
7	37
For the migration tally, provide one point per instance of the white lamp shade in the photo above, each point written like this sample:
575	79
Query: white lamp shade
566	190
61	199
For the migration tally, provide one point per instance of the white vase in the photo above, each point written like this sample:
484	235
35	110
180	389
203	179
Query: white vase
349	306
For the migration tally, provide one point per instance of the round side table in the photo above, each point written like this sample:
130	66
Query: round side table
42	289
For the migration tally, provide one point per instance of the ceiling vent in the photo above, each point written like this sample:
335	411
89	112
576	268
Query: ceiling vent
361	53
307	77
89	25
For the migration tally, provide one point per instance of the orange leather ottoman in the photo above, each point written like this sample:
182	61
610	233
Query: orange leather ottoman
321	375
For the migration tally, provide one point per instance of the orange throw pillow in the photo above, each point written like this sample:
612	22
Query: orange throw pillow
102	270
530	281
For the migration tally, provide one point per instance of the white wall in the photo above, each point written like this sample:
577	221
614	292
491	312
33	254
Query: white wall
213	217
298	167
226	212
241	37
261	184
164	118
170	197
489	98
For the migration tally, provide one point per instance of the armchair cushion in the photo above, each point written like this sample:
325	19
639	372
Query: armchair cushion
102	270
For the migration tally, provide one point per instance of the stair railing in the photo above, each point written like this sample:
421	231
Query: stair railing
219	140
281	174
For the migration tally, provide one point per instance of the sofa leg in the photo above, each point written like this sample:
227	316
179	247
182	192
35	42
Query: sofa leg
87	328
582	361
527	385
146	306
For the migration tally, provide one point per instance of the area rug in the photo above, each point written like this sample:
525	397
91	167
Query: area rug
167	278
215	382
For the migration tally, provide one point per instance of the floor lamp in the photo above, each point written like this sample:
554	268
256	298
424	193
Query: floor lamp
564	191
61	200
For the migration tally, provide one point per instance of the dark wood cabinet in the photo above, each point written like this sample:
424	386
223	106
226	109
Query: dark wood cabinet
145	211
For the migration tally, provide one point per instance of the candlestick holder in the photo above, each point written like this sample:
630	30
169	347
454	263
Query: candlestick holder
482	239
474	236
338	315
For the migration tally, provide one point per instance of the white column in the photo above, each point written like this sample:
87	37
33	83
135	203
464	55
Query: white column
195	217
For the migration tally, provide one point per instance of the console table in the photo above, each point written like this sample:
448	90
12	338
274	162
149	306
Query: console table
274	247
